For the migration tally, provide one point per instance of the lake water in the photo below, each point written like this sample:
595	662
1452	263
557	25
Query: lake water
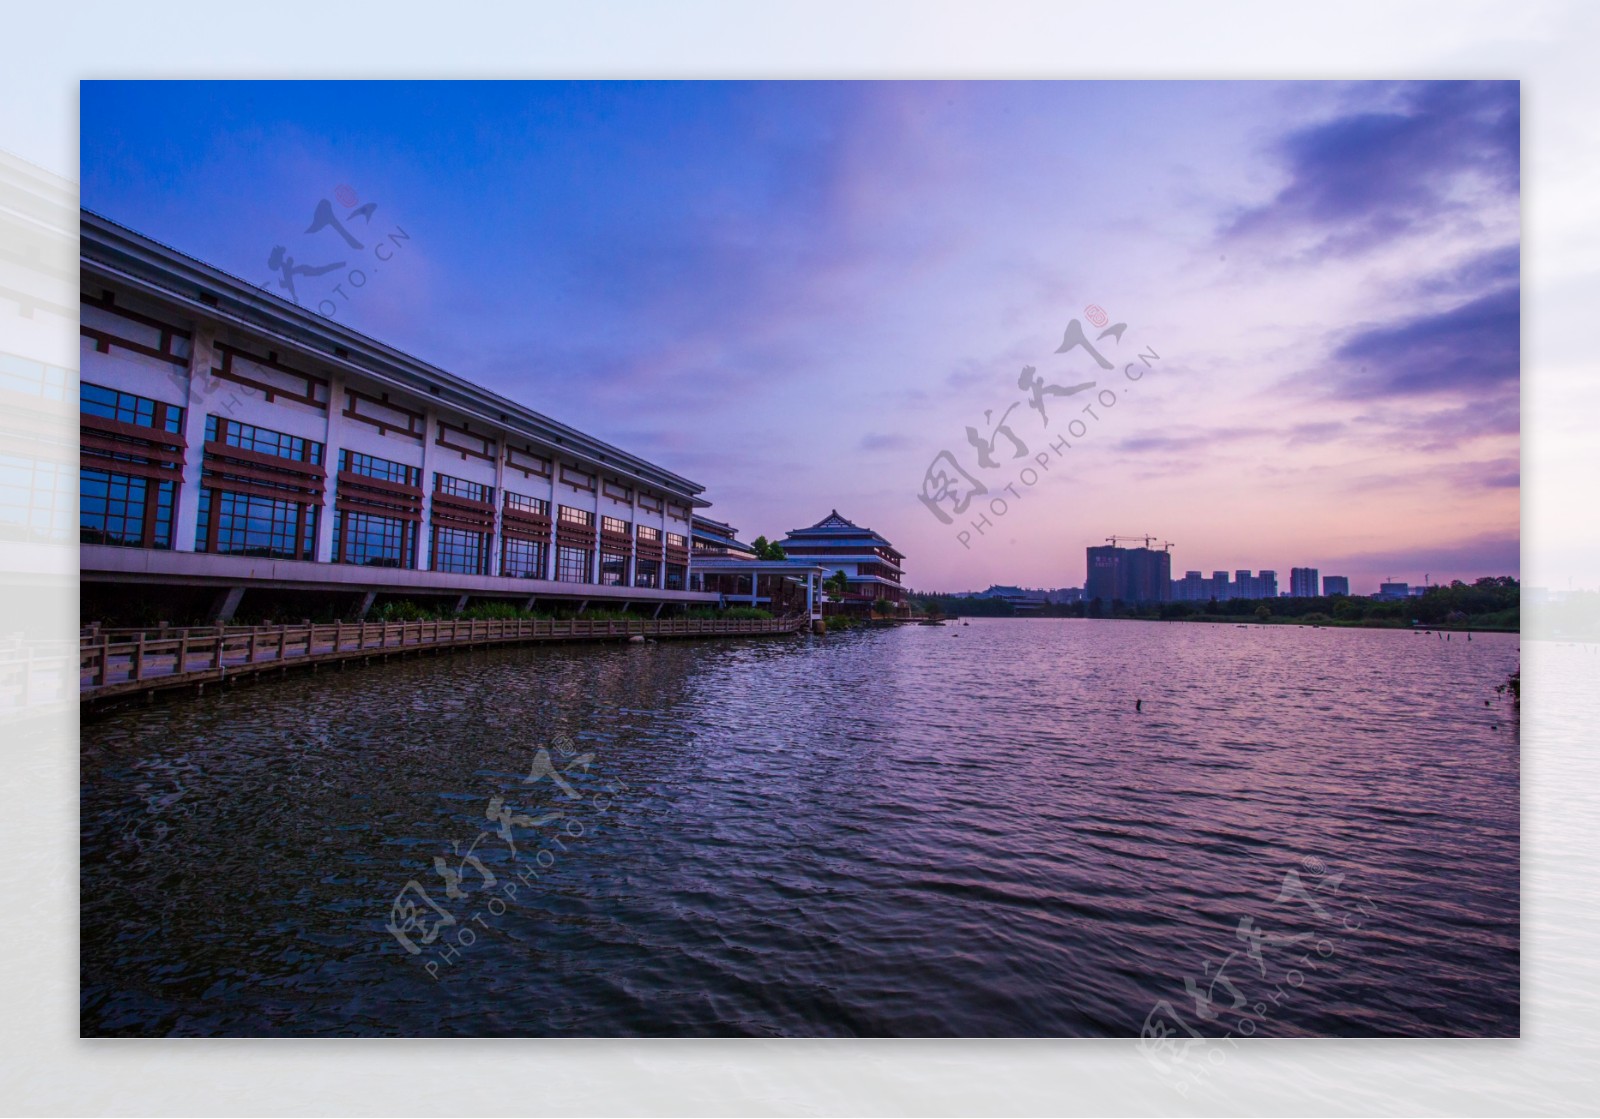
957	830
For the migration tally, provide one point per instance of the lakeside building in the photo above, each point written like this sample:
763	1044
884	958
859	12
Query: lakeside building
232	440
1133	575
726	566
1393	592
871	565
1020	601
1303	582
716	538
1335	584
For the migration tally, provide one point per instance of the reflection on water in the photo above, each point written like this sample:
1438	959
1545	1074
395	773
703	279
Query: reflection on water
924	830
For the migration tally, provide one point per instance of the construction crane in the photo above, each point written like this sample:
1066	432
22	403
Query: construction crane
1146	538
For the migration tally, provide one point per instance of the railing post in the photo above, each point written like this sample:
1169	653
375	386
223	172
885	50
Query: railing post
182	666
250	649
105	659
137	671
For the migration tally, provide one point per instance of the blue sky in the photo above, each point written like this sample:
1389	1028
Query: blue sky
799	294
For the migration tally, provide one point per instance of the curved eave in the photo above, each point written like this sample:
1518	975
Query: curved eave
849	557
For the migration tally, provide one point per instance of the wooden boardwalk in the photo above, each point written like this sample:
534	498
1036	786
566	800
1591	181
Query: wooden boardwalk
117	663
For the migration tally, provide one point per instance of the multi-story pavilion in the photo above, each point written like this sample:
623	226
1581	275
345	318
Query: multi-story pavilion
871	565
233	440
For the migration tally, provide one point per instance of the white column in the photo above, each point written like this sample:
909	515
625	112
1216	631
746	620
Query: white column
429	460
688	559
499	503
186	517
631	573
331	442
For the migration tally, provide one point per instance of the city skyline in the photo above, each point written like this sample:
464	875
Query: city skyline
799	295
1208	571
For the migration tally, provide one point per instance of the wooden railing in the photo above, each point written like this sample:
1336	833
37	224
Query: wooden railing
116	661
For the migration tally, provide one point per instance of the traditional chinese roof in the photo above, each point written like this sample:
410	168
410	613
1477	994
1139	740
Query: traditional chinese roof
833	520
835	529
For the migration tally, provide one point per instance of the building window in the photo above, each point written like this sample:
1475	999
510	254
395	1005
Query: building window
649	535
251	525
523	559
459	551
675	576
371	466
118	509
126	509
129	409
248	437
572	564
461	548
460	487
535	505
371	539
580	518
613	569
674	540
612	524
647	573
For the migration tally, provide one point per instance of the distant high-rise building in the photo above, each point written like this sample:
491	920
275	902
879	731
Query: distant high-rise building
1150	577
1134	575
1335	584
1393	590
1244	586
1103	580
1303	582
1267	584
1221	589
1193	587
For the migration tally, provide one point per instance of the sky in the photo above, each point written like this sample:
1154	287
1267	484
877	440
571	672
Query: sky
803	295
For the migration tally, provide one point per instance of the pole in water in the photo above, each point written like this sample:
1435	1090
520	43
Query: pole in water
1138	705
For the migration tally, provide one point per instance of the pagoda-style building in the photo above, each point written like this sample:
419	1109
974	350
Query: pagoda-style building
871	565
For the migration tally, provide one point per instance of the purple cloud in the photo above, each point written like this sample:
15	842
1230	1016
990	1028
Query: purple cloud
1475	347
873	441
1371	176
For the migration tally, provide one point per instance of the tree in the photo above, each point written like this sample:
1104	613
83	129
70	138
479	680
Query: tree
771	551
1264	612
837	585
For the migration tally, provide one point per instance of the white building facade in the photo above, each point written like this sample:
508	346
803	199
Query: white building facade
233	439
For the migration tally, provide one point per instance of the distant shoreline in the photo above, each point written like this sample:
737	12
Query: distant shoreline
1252	620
